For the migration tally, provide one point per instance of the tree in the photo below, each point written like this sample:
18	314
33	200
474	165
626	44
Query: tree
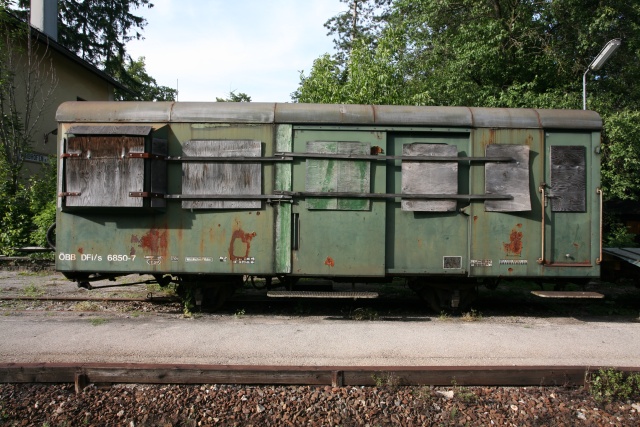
362	21
27	82
493	53
233	97
143	86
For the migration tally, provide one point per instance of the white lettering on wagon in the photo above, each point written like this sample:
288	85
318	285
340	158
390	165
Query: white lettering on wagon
198	259
481	263
120	258
66	257
153	260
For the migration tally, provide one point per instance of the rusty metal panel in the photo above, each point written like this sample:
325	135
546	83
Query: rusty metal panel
568	178
328	175
570	119
509	118
101	173
110	130
254	112
508	178
324	114
423	115
425	177
220	178
223	112
113	112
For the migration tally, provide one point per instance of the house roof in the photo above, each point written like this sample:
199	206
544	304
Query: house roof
43	38
53	44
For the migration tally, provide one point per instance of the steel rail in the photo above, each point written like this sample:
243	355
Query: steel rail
83	374
80	299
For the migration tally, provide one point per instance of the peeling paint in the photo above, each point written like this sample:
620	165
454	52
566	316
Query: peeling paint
244	238
153	241
514	246
329	262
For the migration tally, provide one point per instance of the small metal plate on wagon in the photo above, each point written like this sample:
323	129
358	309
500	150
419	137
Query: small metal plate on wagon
451	262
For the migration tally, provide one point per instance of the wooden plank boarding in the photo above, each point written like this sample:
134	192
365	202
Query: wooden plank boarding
508	178
102	174
429	177
201	178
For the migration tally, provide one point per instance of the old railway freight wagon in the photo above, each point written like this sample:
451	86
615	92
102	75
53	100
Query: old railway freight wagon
204	194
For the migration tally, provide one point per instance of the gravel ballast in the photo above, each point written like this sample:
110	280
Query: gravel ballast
512	325
227	405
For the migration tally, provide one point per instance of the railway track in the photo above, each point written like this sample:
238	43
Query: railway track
314	405
83	374
148	298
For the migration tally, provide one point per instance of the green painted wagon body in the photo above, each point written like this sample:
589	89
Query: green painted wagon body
336	191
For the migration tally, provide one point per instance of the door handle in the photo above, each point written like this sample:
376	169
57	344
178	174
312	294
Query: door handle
295	231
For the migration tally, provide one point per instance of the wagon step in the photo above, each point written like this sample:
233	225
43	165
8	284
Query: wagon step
572	294
311	294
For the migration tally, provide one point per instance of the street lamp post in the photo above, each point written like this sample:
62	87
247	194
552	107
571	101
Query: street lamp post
597	63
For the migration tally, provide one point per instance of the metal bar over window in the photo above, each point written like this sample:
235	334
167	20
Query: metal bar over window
304	194
403	158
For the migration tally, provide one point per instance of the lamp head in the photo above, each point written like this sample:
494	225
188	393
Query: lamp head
604	54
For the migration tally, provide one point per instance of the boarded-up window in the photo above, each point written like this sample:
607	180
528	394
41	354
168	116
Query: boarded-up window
508	178
429	177
568	179
342	176
106	166
220	178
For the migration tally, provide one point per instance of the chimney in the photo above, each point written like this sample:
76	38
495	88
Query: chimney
44	17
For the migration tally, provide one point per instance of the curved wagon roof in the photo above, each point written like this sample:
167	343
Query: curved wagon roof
324	114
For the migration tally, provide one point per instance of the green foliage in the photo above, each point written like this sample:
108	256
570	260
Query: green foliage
233	97
386	379
519	54
617	235
33	291
365	313
465	52
143	86
621	155
608	385
472	316
98	321
361	22
370	77
15	220
29	212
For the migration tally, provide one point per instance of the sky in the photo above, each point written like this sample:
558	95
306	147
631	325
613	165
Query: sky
207	48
